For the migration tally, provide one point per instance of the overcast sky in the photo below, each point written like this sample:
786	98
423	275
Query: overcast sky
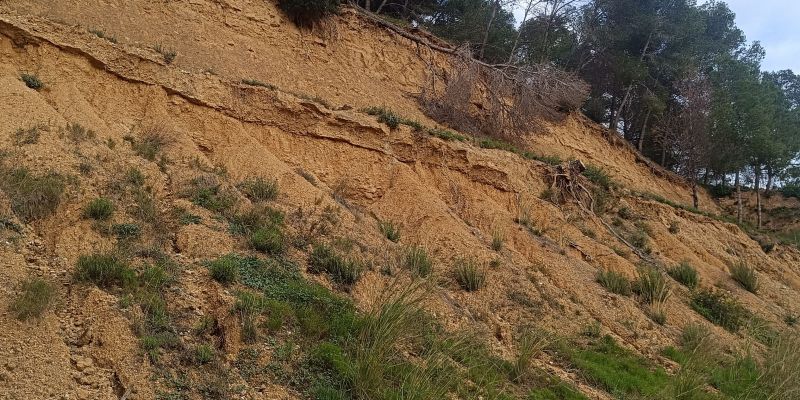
776	23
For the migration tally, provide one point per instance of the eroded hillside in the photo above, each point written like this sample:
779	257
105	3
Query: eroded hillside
178	147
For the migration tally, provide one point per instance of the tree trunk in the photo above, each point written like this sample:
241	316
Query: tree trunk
768	188
630	86
694	193
663	155
519	31
405	10
644	129
738	198
367	5
380	7
758	196
495	6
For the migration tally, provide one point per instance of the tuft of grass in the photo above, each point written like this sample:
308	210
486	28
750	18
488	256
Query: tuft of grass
204	354
77	133
417	260
150	143
791	319
614	282
103	35
598	176
469	275
36	296
389	230
32	81
167	53
720	309
225	269
446	135
674	227
497	240
259	189
105	270
324	258
126	230
99	209
685	274
134	176
32	196
745	275
268	239
27	136
530	344
385	116
207	192
651	286
592	330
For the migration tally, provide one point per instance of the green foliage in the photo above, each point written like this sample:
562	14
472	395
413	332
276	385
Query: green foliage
685	273
598	176
27	136
126	230
150	144
135	177
417	260
32	81
36	296
497	240
469	275
651	285
208	192
307	12
446	135
32	196
385	116
77	133
614	282
268	239
344	270
105	270
99	209
259	189
204	354
225	269
617	370
103	35
389	230
720	309
745	276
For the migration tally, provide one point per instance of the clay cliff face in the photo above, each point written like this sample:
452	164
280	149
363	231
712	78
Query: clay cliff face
303	128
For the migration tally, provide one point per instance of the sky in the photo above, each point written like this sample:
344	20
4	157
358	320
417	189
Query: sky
775	23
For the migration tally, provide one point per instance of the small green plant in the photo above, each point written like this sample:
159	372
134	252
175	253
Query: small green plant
651	286
254	82
85	168
639	239
446	135
207	192
167	53
105	270
27	136
791	319
385	116
324	258
225	269
592	330
469	275
693	336
126	230
416	259
150	143
720	309
204	354
32	196
745	275
268	239
529	345
32	81
259	189
103	35
497	240
598	176
134	176
99	209
685	274
614	282
626	213
389	230
674	227
77	133
36	296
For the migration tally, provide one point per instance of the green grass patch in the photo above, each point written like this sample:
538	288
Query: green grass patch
719	308
745	275
99	209
259	189
614	282
105	270
685	274
32	196
469	275
36	296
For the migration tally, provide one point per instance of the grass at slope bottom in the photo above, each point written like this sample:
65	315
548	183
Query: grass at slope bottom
326	349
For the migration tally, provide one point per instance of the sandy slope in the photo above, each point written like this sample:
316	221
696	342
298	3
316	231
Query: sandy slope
450	196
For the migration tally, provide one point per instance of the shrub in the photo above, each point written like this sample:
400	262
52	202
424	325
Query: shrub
27	136
389	230
651	285
416	259
745	276
674	227
268	239
34	300
105	270
598	176
497	240
151	142
614	282
685	274
385	116
32	196
446	135
204	354
126	230
78	133
99	209
207	192
469	275
135	177
307	12
259	189
720	309
32	81
225	269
